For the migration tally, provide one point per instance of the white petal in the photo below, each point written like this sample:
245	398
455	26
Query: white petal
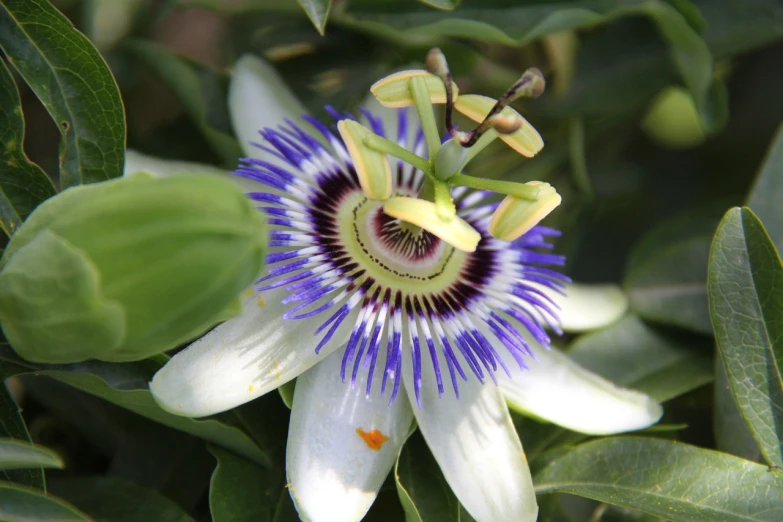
334	474
477	448
137	162
258	98
589	307
557	389
243	358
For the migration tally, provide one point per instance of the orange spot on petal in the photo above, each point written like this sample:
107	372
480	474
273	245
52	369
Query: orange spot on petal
373	438
261	302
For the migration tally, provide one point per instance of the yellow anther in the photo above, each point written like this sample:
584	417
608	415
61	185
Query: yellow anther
393	91
454	231
516	216
526	140
372	167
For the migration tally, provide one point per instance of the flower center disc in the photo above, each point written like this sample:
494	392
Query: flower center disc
394	253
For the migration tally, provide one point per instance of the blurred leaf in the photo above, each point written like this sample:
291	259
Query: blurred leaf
732	435
446	5
670	286
242	490
12	425
16	454
318	12
669	479
74	84
113	499
126	385
517	25
421	486
203	92
745	289
631	353
767	192
19	504
23	185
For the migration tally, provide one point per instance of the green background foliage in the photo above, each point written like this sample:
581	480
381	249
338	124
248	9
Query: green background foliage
651	203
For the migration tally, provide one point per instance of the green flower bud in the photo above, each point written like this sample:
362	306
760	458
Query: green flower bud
128	268
673	120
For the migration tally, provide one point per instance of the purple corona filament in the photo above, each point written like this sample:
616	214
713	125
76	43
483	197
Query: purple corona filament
455	332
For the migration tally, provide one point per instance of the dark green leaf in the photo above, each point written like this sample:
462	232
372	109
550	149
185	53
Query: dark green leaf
126	385
18	504
74	84
669	479
745	289
241	490
767	192
12	425
203	92
118	500
520	24
634	354
421	486
732	435
318	12
16	454
23	185
670	286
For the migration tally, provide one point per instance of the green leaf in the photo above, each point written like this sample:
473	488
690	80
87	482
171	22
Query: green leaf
421	486
241	490
12	425
19	504
74	84
671	285
126	385
23	185
318	12
16	454
634	354
767	191
445	5
745	289
732	435
511	24
203	92
669	479
118	500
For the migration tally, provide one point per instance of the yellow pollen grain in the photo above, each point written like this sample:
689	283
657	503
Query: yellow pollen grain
249	387
261	302
374	439
248	292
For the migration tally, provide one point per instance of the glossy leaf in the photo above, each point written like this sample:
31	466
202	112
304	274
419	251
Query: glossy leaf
20	504
634	354
15	454
669	479
118	500
12	425
767	191
203	92
126	385
424	494
23	185
241	490
318	12
74	84
745	289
